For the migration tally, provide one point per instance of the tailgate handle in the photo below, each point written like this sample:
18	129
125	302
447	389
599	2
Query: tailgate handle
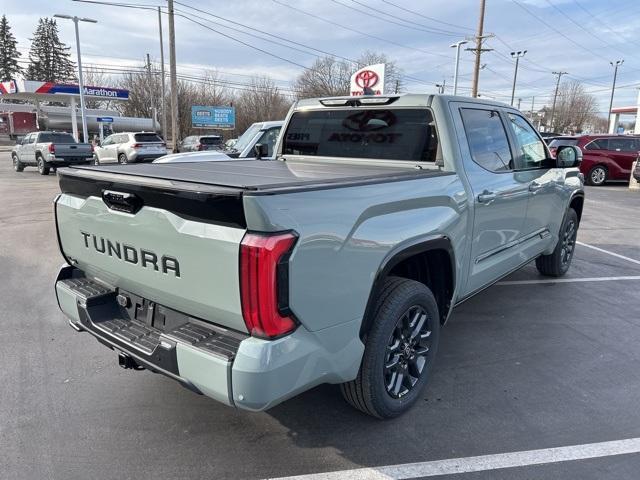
122	201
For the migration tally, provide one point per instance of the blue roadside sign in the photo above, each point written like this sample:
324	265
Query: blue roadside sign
105	119
213	117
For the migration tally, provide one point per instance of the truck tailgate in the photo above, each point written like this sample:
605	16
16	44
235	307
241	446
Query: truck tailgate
183	261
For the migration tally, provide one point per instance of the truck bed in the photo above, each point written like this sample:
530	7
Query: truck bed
256	175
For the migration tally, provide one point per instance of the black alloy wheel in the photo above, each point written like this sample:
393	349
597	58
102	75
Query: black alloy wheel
408	351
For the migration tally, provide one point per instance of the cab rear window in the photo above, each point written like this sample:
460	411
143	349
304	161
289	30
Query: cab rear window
387	134
147	137
210	140
60	138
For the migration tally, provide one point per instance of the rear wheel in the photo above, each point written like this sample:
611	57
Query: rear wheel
17	164
597	175
43	168
558	263
399	351
122	158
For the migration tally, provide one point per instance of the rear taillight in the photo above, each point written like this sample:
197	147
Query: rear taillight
52	148
93	149
264	283
136	145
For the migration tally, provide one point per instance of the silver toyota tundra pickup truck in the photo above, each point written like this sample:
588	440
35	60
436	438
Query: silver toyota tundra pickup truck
339	261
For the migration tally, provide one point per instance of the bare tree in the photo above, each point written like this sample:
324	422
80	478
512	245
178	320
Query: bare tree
259	102
575	108
94	77
330	77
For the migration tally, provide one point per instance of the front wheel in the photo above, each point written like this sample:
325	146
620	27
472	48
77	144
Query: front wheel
597	176
17	164
399	350
558	263
43	168
122	158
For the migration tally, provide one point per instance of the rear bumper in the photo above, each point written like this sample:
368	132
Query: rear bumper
228	366
136	157
65	162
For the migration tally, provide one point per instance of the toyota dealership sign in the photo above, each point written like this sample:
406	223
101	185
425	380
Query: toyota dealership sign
370	78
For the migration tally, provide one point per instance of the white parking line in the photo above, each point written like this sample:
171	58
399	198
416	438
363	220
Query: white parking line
481	463
568	280
613	254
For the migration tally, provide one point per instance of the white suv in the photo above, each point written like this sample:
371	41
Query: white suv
130	147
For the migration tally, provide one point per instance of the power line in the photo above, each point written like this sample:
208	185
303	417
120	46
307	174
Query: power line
427	17
544	22
387	20
359	32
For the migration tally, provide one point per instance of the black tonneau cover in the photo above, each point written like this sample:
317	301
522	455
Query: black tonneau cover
261	175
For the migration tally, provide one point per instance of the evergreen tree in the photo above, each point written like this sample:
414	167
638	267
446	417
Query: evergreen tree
8	52
49	57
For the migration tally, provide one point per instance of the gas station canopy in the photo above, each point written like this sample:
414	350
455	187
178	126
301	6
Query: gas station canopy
52	92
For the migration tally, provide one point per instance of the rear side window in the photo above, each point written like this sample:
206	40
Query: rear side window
561	142
147	137
600	144
487	139
210	140
387	134
623	144
60	138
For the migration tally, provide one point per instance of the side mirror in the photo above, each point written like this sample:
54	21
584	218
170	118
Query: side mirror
568	156
261	151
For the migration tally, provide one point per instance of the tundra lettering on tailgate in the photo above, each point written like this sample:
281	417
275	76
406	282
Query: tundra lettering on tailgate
136	256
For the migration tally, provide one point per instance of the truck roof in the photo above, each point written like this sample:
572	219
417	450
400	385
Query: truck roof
395	99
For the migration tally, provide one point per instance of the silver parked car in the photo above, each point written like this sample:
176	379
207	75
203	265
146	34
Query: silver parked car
132	147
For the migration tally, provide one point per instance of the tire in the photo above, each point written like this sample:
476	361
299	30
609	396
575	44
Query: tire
96	160
122	158
407	310
43	168
598	176
17	164
558	263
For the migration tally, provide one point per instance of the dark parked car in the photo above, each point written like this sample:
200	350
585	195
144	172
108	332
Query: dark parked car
196	143
605	157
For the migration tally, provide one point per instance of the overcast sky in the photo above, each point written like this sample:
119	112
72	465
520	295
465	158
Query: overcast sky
576	36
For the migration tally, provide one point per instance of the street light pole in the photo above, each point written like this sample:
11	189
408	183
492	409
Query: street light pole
613	87
175	125
457	46
517	56
85	133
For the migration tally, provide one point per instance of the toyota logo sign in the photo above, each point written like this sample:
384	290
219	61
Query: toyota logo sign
366	78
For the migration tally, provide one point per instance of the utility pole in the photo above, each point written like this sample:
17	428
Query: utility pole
613	90
519	101
533	102
442	86
478	50
163	121
555	96
175	132
517	56
154	110
457	46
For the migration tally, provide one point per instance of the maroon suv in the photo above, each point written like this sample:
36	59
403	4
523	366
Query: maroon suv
605	157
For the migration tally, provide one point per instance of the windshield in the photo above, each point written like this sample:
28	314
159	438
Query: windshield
398	134
246	137
56	138
559	142
147	137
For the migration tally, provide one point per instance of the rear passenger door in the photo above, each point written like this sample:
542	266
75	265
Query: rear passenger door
499	195
623	152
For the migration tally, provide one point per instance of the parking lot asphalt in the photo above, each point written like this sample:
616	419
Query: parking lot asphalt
522	366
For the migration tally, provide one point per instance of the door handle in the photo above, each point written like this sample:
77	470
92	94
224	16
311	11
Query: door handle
487	197
535	186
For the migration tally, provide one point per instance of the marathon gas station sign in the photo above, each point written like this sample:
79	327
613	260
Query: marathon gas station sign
50	88
368	80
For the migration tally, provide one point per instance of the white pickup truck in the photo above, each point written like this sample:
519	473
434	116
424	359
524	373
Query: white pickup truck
46	150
